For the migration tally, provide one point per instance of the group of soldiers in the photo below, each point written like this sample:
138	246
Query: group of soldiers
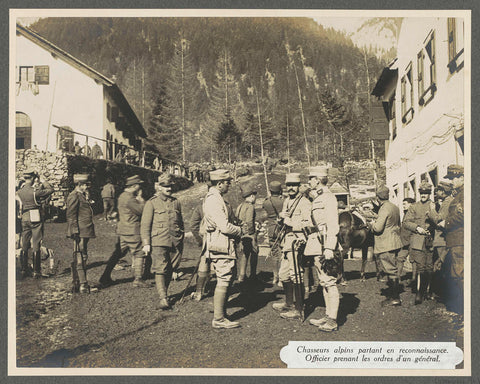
302	230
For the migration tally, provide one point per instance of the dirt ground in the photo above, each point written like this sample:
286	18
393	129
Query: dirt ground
121	326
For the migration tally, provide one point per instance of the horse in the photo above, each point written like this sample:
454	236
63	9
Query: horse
354	234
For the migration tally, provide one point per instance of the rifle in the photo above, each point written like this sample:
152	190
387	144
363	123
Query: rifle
283	229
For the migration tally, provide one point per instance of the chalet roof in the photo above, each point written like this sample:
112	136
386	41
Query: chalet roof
110	86
338	189
385	83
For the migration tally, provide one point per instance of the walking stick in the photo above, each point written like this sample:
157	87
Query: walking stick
73	267
298	282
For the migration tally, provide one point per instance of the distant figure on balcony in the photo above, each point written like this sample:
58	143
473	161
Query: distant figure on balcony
156	164
87	151
120	158
97	151
77	149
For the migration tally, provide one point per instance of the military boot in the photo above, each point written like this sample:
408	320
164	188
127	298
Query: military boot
24	268
329	325
396	293
287	305
37	265
421	288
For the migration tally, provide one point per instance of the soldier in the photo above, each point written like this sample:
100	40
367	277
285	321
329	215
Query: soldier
405	236
296	217
273	205
80	229
454	228
246	215
97	151
162	234
421	239
220	237
108	197
388	243
31	198
325	221
130	208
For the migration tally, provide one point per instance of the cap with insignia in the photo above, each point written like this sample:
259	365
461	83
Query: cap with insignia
383	192
292	178
220	175
275	186
132	180
318	171
166	180
80	178
425	186
454	170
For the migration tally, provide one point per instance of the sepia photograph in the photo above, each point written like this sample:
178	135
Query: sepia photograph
230	191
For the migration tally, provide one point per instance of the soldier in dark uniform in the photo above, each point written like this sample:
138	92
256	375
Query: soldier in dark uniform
421	238
31	198
454	228
273	205
162	234
405	236
80	228
130	208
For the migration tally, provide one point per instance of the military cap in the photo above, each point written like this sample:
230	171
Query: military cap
292	178
445	186
220	175
247	191
132	180
383	192
80	178
454	170
29	173
425	186
319	171
166	180
275	186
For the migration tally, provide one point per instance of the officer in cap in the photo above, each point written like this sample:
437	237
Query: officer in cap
130	208
388	243
454	227
273	205
296	217
162	233
219	245
443	198
246	215
31	196
325	221
421	240
80	228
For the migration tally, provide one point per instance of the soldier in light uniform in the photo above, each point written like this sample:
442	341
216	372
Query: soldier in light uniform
421	239
162	234
221	234
80	228
130	208
273	205
30	198
296	217
325	221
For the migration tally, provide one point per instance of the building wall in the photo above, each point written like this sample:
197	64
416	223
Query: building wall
427	141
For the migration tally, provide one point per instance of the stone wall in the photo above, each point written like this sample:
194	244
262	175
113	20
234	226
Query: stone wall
58	169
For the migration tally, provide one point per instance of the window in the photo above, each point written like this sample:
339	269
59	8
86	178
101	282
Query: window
393	118
407	95
23	128
426	71
455	44
405	190
42	74
26	75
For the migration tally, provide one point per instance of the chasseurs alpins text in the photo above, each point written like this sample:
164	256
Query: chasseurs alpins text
304	349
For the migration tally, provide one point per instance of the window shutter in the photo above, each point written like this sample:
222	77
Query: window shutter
420	58
451	39
42	74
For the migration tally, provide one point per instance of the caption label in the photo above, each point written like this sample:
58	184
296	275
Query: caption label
371	355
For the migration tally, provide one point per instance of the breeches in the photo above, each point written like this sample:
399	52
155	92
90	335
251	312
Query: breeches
31	232
389	261
162	260
324	279
131	243
287	268
456	259
225	271
423	259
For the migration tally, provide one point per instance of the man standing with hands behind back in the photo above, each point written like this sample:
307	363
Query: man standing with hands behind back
162	233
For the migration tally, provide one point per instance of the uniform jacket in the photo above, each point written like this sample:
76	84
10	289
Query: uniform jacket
108	191
246	216
454	221
162	222
31	197
325	216
387	228
79	215
405	233
417	217
195	221
297	219
130	214
273	205
439	239
219	221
